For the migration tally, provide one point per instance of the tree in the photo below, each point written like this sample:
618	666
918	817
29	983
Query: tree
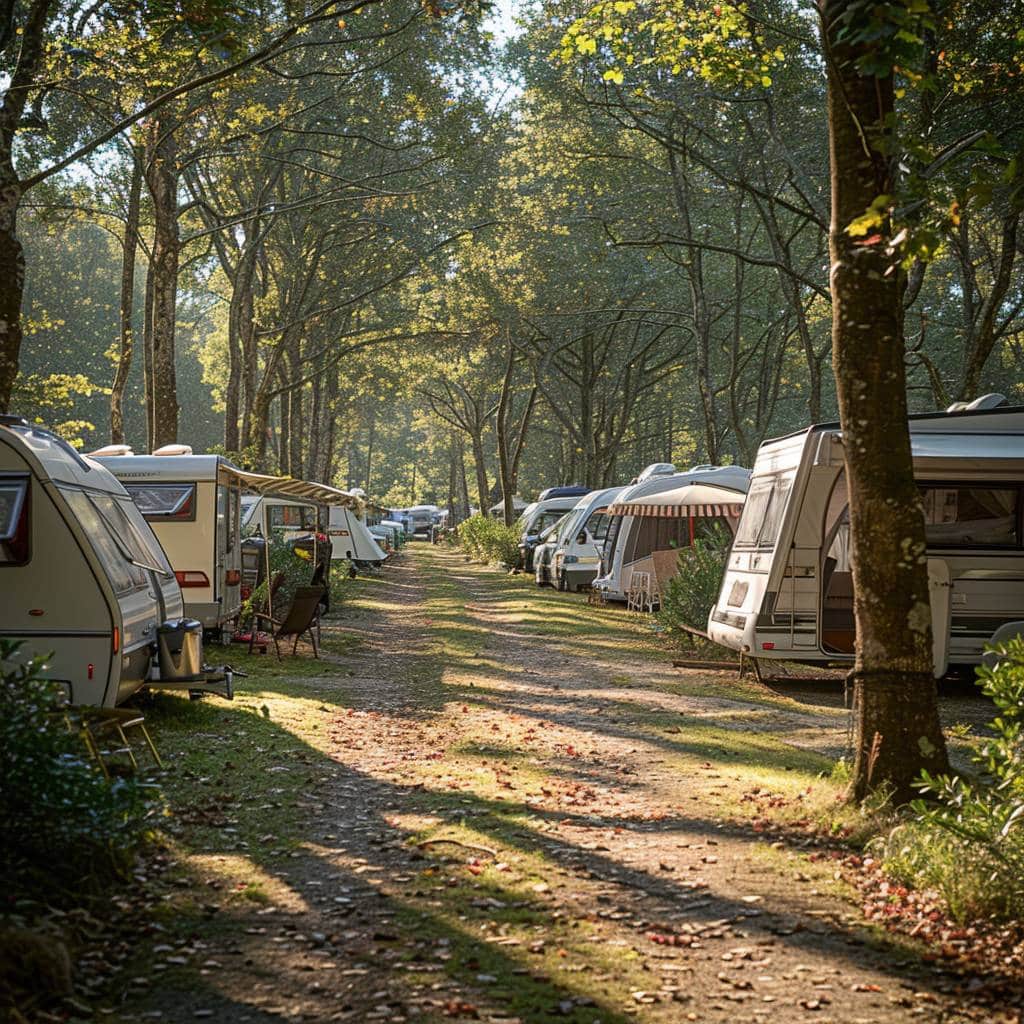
897	729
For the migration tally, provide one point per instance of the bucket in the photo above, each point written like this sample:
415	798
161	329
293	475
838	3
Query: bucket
180	650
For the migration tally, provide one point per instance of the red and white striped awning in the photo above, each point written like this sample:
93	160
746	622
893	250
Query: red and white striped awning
690	500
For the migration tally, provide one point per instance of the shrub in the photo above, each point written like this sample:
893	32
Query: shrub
63	823
691	594
489	540
969	843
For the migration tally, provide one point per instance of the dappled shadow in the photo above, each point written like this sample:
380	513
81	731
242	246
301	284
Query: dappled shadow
374	913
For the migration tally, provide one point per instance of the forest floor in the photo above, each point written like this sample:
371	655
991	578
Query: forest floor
491	802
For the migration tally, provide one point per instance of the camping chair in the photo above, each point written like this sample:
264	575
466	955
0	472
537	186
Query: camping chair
302	617
96	724
640	597
262	612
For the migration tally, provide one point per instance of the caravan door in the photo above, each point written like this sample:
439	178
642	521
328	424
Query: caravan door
228	542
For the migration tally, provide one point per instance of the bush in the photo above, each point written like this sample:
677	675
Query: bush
63	823
690	595
489	540
969	843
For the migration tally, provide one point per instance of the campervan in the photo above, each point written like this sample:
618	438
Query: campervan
539	516
192	503
83	580
421	519
651	520
787	591
351	539
576	560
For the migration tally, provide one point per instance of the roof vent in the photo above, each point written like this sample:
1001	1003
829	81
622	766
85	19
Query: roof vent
110	450
174	449
957	407
993	400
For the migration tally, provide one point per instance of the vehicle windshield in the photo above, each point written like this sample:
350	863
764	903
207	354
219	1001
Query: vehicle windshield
569	524
555	529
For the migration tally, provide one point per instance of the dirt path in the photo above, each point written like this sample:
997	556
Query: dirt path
505	818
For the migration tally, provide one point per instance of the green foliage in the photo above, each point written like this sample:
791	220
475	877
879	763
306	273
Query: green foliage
64	825
969	843
297	571
489	540
691	594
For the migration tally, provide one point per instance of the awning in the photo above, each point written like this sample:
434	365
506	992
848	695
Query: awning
289	487
694	500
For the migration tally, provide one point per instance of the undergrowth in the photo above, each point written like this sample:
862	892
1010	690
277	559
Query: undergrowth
966	839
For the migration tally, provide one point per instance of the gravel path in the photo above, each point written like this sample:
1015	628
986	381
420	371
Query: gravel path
501	829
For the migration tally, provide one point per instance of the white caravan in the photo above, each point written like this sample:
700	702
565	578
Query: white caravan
787	591
576	560
83	580
192	502
351	539
636	534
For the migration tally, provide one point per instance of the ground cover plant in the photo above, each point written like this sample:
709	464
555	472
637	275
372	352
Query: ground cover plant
966	840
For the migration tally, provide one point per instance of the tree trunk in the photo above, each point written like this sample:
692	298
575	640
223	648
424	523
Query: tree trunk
897	730
129	249
147	356
16	93
482	487
502	425
12	284
162	178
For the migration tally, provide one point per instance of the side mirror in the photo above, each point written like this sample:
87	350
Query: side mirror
582	538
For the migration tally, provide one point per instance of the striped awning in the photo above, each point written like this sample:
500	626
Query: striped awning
731	510
694	499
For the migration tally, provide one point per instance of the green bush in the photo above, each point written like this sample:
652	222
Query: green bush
968	842
63	824
489	540
691	594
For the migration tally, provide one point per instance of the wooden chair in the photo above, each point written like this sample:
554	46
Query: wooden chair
302	617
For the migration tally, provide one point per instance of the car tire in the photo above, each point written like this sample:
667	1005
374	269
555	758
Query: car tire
563	582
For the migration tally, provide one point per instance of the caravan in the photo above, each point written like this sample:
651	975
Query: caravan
351	539
83	579
651	520
787	591
192	502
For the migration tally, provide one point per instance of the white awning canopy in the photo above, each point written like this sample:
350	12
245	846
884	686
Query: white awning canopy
289	487
688	500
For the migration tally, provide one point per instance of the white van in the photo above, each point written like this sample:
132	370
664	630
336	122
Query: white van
193	504
787	591
83	579
351	539
576	560
541	514
633	538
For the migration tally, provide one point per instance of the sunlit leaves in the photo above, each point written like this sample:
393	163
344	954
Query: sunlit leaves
718	42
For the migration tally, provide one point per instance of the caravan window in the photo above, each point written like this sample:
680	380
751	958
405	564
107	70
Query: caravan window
162	502
123	576
762	512
292	517
970	517
140	545
14	520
